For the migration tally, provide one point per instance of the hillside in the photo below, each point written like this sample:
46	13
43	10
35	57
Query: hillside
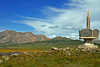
61	41
10	36
46	44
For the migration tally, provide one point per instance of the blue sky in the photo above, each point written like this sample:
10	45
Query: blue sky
49	17
10	10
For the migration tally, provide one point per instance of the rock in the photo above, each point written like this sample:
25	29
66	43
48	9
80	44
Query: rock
14	55
68	53
71	49
68	48
21	58
84	50
48	51
55	49
60	49
1	61
25	53
76	49
6	58
64	49
3	56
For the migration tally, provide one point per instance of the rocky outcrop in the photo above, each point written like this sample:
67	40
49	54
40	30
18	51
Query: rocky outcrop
10	36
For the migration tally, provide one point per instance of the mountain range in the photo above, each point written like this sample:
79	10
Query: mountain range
13	37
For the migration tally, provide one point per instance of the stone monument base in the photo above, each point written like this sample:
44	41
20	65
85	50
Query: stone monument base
88	45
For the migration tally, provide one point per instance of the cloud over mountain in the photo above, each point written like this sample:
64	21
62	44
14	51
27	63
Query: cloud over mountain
66	20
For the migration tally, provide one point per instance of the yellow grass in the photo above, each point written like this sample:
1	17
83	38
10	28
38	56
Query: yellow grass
6	50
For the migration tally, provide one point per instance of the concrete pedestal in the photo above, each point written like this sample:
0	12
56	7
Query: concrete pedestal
88	44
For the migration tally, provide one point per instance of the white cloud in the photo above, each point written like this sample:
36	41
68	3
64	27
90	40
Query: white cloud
73	17
52	36
30	18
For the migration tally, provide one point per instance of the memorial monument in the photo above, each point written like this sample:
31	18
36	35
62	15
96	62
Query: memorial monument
88	35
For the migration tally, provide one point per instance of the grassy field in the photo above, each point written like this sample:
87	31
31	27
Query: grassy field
43	56
63	58
30	48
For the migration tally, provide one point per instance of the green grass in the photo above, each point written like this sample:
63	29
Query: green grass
38	47
68	58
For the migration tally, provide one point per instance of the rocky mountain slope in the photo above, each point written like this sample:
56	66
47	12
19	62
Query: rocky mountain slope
10	36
